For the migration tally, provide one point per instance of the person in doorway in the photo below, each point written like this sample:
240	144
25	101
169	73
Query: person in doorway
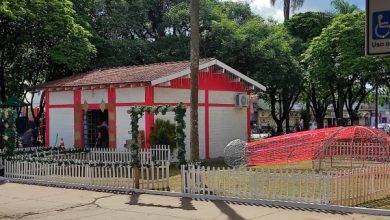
27	137
103	135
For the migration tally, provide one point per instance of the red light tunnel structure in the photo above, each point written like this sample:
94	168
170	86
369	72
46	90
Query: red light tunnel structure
355	144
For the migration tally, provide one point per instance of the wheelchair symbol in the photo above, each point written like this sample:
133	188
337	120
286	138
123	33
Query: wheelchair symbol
382	29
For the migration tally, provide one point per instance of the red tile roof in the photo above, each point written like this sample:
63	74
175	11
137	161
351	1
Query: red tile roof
122	75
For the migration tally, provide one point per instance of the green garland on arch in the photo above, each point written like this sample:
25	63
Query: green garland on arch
8	137
137	112
180	113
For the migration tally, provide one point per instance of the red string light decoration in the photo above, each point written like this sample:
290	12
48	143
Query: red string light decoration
354	143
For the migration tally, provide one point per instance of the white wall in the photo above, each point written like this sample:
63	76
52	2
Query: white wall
126	95
61	98
202	144
123	126
221	97
61	123
168	95
94	96
226	124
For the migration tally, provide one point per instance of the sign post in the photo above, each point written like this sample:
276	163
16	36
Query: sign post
377	27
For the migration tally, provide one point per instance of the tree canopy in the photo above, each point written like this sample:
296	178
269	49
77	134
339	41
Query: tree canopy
322	53
38	40
336	59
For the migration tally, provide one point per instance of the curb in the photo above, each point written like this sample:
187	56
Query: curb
293	205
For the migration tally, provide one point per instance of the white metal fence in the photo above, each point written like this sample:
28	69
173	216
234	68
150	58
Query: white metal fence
158	153
344	187
357	186
285	185
151	176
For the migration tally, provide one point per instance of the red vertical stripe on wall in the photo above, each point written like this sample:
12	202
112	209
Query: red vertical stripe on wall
47	119
112	117
206	125
149	118
248	122
78	119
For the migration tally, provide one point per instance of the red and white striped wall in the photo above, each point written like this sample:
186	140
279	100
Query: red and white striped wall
220	121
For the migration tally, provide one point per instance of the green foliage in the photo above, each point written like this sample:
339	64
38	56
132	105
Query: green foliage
336	60
180	113
344	7
39	39
163	133
305	27
308	25
135	116
136	113
276	68
8	136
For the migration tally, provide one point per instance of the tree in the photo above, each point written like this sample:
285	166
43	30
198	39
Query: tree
195	38
271	58
276	69
336	59
163	133
288	6
306	26
234	33
39	40
344	7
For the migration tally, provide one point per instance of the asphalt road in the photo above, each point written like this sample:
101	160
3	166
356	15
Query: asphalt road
18	201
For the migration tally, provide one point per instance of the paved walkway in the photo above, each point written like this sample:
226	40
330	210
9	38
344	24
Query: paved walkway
19	201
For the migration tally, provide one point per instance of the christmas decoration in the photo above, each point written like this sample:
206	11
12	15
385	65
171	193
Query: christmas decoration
137	112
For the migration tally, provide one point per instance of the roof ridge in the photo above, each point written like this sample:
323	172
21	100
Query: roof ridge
145	65
129	74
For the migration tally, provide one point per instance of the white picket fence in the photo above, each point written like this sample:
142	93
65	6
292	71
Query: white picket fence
25	149
362	151
158	153
352	187
360	185
285	185
69	156
152	177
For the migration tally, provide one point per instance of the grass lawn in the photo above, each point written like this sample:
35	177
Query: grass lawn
377	204
301	165
290	188
175	178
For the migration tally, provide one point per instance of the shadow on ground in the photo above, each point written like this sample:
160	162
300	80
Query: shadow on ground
223	206
279	207
185	203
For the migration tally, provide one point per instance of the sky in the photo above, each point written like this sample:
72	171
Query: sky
264	8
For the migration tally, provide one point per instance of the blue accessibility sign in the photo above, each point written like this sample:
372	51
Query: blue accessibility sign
381	25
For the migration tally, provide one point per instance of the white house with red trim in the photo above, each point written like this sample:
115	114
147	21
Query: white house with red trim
72	102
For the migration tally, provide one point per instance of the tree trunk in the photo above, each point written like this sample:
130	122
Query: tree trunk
376	108
306	119
137	175
287	4
320	121
2	83
286	112
279	129
340	114
288	123
194	141
354	117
